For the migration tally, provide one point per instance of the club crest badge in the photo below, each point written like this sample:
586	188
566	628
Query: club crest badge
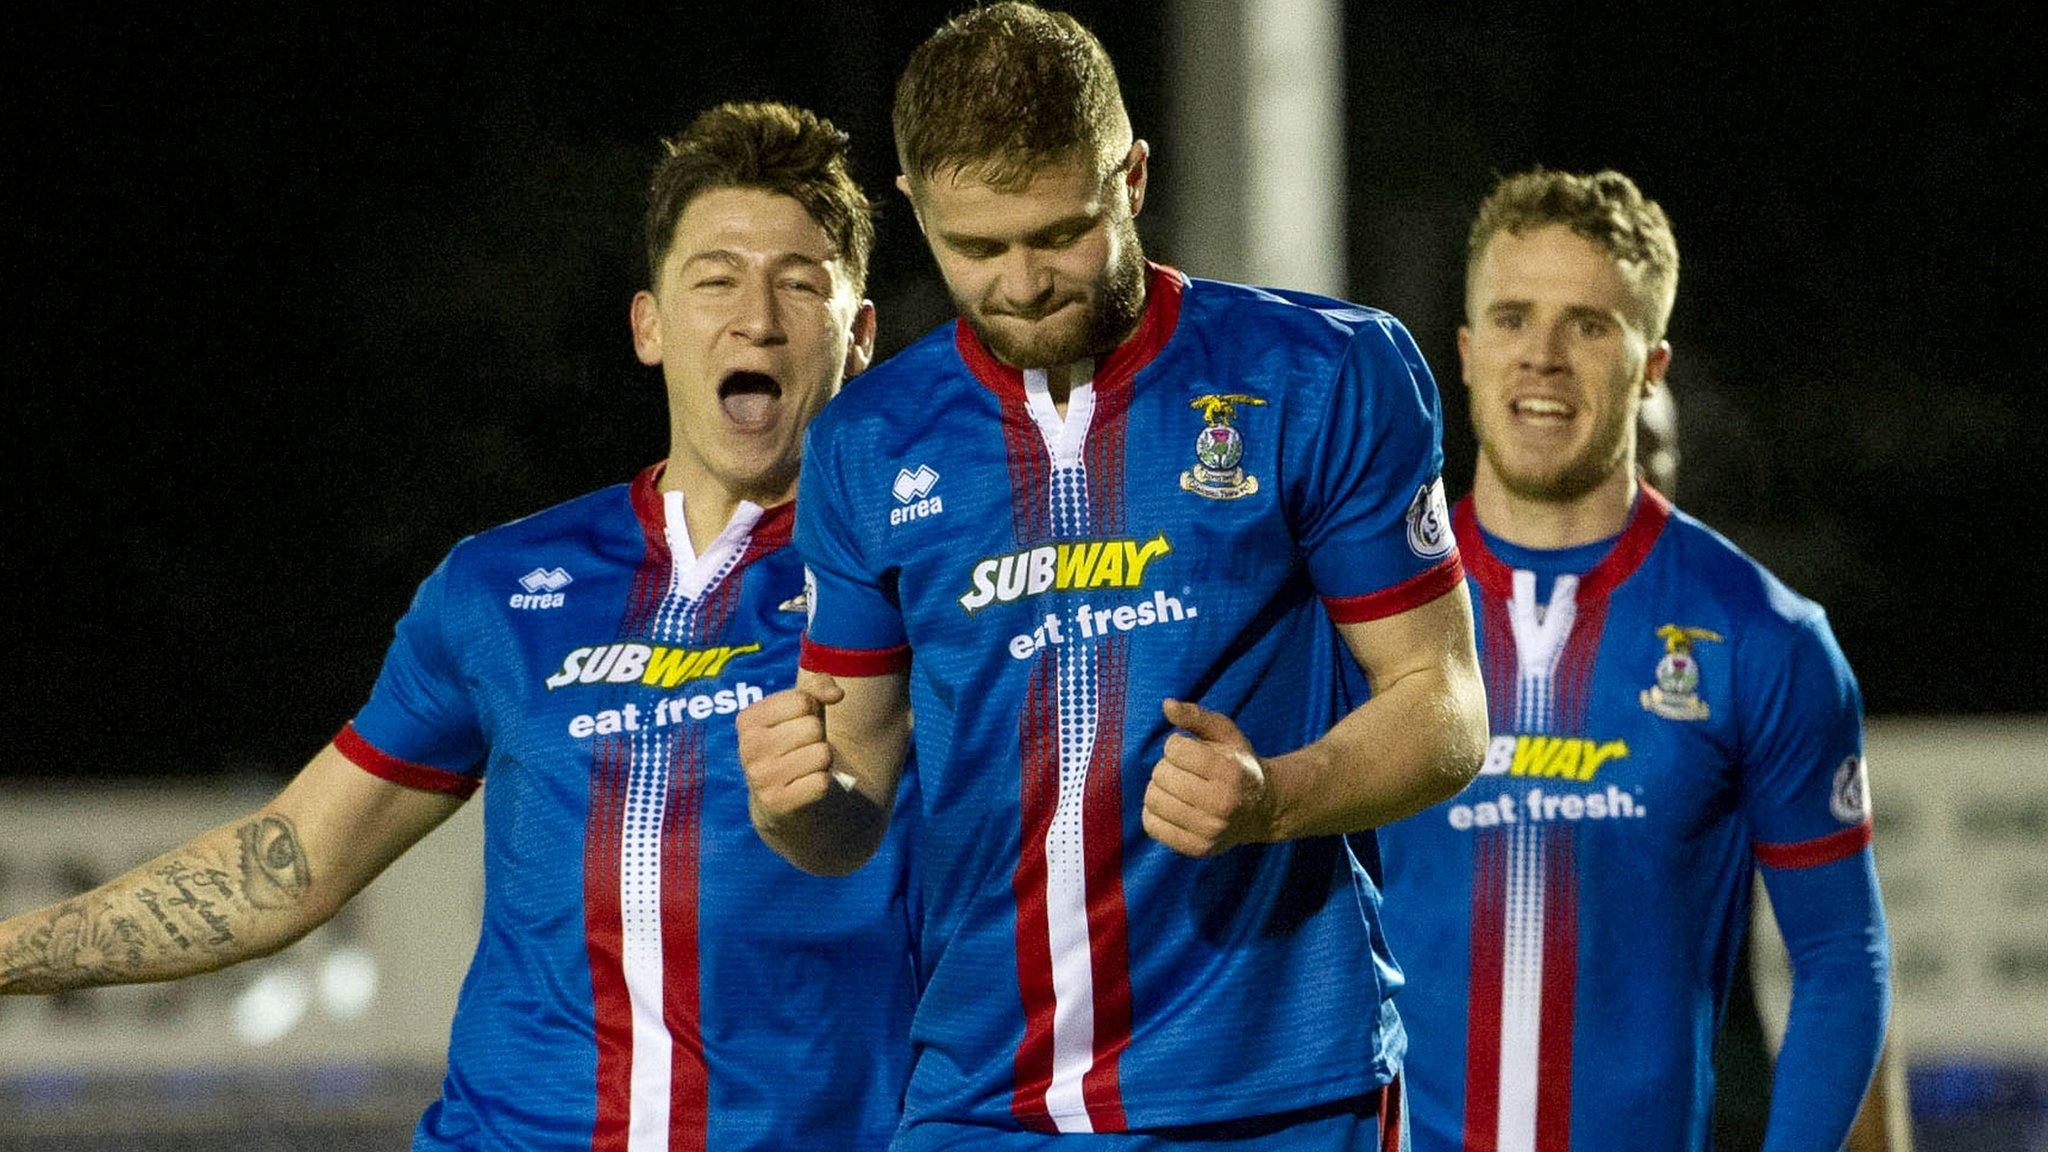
1219	450
1676	695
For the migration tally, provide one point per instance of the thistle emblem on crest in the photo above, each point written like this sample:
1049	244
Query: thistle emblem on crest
1676	694
1219	449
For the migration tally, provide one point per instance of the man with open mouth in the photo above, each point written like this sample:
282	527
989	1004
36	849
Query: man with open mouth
1668	719
647	966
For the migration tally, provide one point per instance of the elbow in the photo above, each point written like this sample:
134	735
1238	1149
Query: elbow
1466	735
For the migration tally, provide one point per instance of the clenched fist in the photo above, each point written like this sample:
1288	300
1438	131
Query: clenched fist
1208	793
783	750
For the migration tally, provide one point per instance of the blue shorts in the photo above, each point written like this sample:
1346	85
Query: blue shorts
1348	1126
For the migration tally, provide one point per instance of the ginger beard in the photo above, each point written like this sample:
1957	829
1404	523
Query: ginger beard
1037	336
1552	477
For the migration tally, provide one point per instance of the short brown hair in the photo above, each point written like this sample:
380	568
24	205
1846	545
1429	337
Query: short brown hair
772	147
1002	90
1606	208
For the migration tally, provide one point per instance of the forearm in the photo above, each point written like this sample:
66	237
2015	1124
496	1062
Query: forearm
1841	996
1416	742
1883	1124
240	891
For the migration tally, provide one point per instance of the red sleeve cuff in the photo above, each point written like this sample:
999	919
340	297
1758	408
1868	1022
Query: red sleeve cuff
817	657
1820	850
369	758
1413	592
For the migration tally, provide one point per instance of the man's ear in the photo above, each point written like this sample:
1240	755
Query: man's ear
903	186
1656	365
1465	354
646	320
1137	169
860	351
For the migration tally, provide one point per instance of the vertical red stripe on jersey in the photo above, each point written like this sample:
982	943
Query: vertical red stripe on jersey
603	934
1498	661
1393	1114
1102	823
1574	682
689	1070
1560	988
1038	732
1482	1012
1030	471
1103	456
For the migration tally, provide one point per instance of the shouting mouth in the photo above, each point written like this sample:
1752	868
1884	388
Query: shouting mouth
749	399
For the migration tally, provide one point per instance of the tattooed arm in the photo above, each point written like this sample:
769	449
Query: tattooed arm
242	890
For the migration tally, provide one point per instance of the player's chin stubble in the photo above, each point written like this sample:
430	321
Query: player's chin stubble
1119	301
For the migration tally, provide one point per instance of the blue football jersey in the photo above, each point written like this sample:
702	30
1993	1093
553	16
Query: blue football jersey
1666	715
649	974
1249	465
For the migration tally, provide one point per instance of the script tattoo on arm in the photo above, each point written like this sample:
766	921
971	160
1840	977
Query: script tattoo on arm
227	896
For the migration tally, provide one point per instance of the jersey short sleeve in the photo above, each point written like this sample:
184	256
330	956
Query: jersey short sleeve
420	727
1372	519
856	624
1804	792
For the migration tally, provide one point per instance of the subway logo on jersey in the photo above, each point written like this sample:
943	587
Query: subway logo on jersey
1555	757
1070	566
650	664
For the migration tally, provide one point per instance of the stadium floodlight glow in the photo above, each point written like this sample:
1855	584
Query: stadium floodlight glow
271	1007
348	982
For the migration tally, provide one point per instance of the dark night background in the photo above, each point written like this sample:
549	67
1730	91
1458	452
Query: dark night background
304	295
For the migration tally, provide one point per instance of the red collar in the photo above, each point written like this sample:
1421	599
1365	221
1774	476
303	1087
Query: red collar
1645	524
1164	288
771	531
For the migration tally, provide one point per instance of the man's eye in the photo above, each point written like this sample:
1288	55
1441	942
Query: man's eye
714	282
1592	329
1507	321
804	286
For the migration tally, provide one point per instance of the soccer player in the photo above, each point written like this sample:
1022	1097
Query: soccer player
649	975
1112	537
1667	717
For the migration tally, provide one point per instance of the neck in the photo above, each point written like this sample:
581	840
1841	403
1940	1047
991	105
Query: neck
708	504
1538	522
1060	382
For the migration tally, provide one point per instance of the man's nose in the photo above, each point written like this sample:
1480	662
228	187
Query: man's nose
758	316
1025	282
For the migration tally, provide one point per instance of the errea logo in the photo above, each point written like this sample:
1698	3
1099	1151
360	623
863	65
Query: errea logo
543	588
913	491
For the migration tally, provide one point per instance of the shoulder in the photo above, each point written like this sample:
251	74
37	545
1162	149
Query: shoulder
898	392
573	528
1772	616
1306	345
1303	322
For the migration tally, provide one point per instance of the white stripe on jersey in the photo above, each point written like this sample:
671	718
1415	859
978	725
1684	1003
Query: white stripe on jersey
1066	895
1074	711
1540	635
1521	1000
640	909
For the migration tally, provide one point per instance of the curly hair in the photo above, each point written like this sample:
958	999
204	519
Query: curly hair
1606	208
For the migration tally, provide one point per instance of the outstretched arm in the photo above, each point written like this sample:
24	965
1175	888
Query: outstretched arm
1417	741
243	890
